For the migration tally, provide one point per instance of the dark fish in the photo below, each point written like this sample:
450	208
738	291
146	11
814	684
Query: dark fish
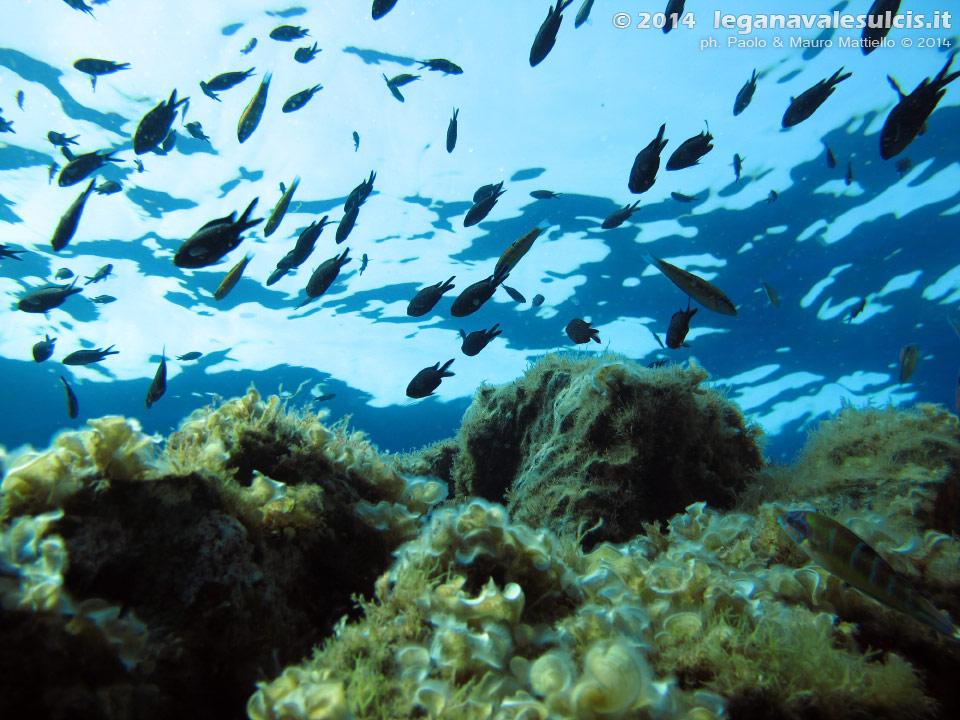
82	166
252	113
673	12
95	67
227	80
73	407
109	187
155	125
903	166
425	300
103	299
358	196
64	273
46	298
909	116
81	6
545	195
324	275
139	163
394	90
537	300
646	164
442	65
547	34
470	300
518	248
745	95
159	385
280	209
306	53
192	355
20	99
248	48
402	79
306	242
67	227
771	294
856	310
772	197
478	339
876	27
208	92
101	274
479	210
231	278
515	294
452	131
298	100
618	217
363	263
848	179
51	171
356	141
43	349
710	296
61	139
583	13
325	397
831	158
690	151
582	332
680	197
167	145
196	130
909	355
737	166
67	153
804	105
346	224
8	252
679	327
428	380
88	357
485	191
286	33
381	8
215	239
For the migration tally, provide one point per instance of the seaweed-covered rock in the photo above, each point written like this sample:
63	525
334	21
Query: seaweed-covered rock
581	439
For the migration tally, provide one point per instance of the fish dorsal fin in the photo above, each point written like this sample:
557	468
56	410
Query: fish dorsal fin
232	217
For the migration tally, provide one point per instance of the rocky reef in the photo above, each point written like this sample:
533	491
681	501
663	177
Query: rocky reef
599	540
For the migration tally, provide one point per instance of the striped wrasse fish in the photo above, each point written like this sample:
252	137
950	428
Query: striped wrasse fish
843	553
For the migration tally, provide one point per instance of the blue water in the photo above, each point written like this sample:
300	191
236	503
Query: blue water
573	125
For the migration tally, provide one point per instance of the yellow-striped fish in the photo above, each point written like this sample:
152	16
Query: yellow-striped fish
511	256
231	278
710	296
843	553
252	113
280	209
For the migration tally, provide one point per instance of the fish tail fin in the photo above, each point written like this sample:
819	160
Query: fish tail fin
837	77
443	370
244	220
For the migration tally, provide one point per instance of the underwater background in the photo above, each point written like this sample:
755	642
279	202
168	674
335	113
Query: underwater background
571	125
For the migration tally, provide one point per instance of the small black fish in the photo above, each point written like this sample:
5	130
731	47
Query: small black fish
159	385
227	80
155	125
324	275
109	187
680	197
306	242
394	90
831	158
474	296
745	95
139	163
876	28
46	298
286	33
452	131
363	263
537	300
618	217
772	197
909	116
903	166
479	210
192	355
381	8
67	227
20	98
848	179
545	195
690	151
325	397
43	349
248	48
73	406
441	65
346	224
485	191
679	327
672	13
215	239
82	166
51	171
582	332
88	357
402	79
95	67
737	166
646	164
804	105
424	301
298	100
358	196
167	145
61	139
63	273
306	53
196	130
356	141
428	380
103	299
515	294
771	294
547	34
856	310
478	340
102	273
583	13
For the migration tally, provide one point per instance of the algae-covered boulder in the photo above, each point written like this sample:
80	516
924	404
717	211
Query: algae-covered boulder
582	439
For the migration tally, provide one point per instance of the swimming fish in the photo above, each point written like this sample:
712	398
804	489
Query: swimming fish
61	139
473	296
647	163
231	278
876	29
452	131
394	90
306	242
515	294
909	116
710	296
537	300
73	406
547	34
745	95
196	130
618	217
441	65
583	13
841	552
250	117
356	141
103	299
402	79
305	54
771	294
215	239
428	380
67	226
737	166
581	331
672	13
298	100
363	263
95	67
831	158
680	197
43	349
856	309
518	248
47	297
679	327
227	80
690	151
772	197
20	98
248	48
803	105
280	209
286	33
479	210
909	355
82	166
424	301
108	188
159	385
545	195
102	273
381	8
155	125
323	277
88	357
478	339
903	166
345	226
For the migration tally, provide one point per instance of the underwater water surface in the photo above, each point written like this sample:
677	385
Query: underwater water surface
823	238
